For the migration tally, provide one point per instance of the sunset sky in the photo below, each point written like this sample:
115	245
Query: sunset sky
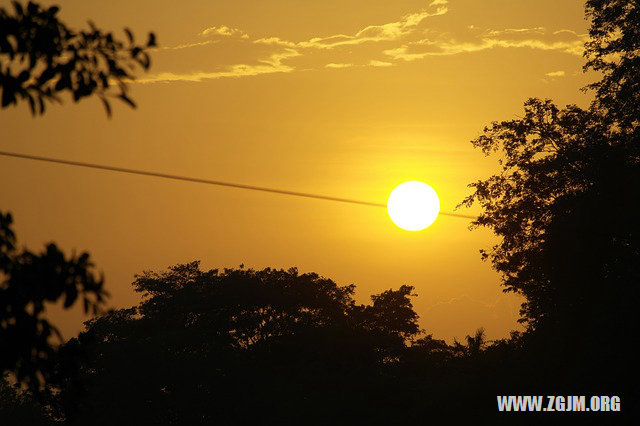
343	98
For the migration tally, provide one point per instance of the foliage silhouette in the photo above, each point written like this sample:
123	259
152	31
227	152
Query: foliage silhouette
27	282
40	57
237	345
565	207
613	50
18	408
546	155
277	347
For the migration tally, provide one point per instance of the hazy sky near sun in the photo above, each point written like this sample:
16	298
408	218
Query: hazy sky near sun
344	98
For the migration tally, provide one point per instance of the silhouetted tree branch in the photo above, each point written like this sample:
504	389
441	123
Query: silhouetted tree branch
614	50
40	57
28	281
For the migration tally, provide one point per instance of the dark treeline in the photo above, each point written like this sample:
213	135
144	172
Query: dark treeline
278	347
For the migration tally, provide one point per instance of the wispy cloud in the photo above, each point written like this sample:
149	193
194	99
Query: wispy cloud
333	65
556	74
372	63
223	31
506	31
409	38
187	45
532	38
273	64
376	63
214	34
276	41
372	33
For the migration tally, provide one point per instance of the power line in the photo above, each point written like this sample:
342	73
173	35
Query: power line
205	181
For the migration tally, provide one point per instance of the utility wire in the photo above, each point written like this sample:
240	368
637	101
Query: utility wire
206	181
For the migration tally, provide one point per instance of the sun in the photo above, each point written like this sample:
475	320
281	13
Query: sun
413	205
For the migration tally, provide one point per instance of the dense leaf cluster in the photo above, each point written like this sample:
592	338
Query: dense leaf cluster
565	206
613	50
28	281
204	346
40	58
19	409
571	175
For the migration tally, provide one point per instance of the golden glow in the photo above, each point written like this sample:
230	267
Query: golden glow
413	205
391	108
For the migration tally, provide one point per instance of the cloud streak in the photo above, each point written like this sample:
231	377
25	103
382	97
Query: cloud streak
272	64
371	63
223	31
399	41
556	74
373	33
536	39
392	31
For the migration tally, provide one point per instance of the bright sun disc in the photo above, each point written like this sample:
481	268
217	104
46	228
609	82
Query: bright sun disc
413	205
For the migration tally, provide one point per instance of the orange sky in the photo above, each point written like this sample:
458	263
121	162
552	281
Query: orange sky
343	98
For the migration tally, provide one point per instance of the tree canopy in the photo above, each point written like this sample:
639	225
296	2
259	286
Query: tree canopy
564	205
568	162
236	345
613	50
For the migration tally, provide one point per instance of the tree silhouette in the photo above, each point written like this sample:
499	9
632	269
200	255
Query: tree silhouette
237	345
27	282
548	154
276	347
40	57
613	50
565	207
568	175
475	344
18	409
